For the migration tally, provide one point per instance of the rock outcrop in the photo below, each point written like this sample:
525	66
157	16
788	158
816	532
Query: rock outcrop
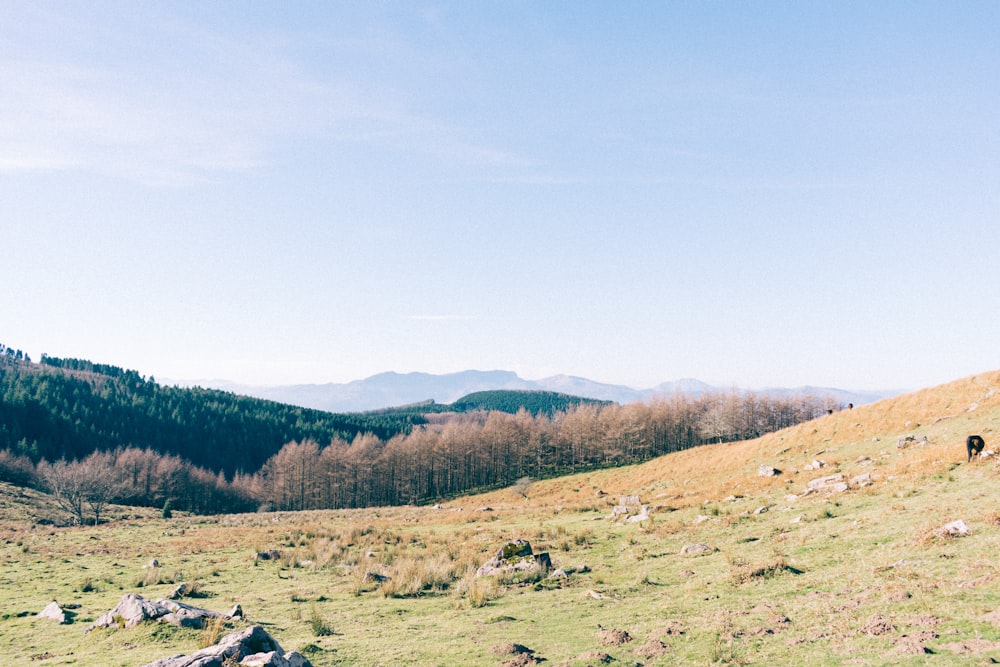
251	647
515	556
133	609
54	612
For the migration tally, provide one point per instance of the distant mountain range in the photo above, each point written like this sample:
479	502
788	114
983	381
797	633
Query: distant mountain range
396	389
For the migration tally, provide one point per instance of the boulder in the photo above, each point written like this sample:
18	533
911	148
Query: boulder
54	612
767	471
829	484
186	616
695	549
954	529
130	611
862	480
515	556
182	589
251	647
133	609
641	516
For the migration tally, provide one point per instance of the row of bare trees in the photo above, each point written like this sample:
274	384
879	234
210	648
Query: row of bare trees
457	454
451	455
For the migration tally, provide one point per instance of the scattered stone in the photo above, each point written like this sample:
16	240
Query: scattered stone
643	515
954	529
815	465
559	574
251	647
905	442
484	509
598	596
864	479
695	549
829	484
515	556
133	609
987	453
701	518
186	616
613	637
767	471
236	612
761	510
54	612
130	611
182	589
862	459
797	519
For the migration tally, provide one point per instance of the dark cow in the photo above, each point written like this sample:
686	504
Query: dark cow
974	444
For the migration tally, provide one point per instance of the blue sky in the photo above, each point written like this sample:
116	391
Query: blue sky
753	194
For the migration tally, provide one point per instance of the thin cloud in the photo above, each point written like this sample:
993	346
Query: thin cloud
441	318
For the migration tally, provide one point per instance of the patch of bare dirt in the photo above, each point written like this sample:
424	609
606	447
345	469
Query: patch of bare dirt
993	617
671	629
654	648
973	646
909	646
614	637
510	649
522	660
595	658
898	596
877	626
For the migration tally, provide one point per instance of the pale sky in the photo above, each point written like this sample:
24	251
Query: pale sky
749	193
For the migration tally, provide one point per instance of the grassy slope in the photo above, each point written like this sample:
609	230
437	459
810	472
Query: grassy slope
875	586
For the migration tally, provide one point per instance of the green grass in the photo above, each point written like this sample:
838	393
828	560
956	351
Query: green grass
807	582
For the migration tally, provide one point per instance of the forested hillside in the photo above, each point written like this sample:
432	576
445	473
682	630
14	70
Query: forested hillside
95	433
68	408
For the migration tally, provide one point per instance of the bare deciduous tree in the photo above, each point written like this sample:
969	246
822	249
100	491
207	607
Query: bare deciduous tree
79	486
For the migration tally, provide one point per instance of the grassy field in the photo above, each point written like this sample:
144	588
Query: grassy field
852	578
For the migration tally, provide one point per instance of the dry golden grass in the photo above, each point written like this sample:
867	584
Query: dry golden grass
795	584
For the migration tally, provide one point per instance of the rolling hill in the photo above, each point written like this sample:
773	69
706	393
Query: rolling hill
395	389
729	568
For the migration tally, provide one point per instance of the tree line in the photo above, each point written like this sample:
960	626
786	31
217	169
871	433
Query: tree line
453	454
458	454
94	434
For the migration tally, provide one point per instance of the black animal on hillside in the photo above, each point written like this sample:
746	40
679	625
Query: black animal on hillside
974	444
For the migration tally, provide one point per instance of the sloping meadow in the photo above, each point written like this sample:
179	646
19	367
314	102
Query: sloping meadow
771	572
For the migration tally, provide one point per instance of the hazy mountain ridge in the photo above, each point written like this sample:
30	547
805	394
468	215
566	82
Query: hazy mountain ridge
394	389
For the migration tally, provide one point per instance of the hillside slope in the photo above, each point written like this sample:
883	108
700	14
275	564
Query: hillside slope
777	576
945	415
